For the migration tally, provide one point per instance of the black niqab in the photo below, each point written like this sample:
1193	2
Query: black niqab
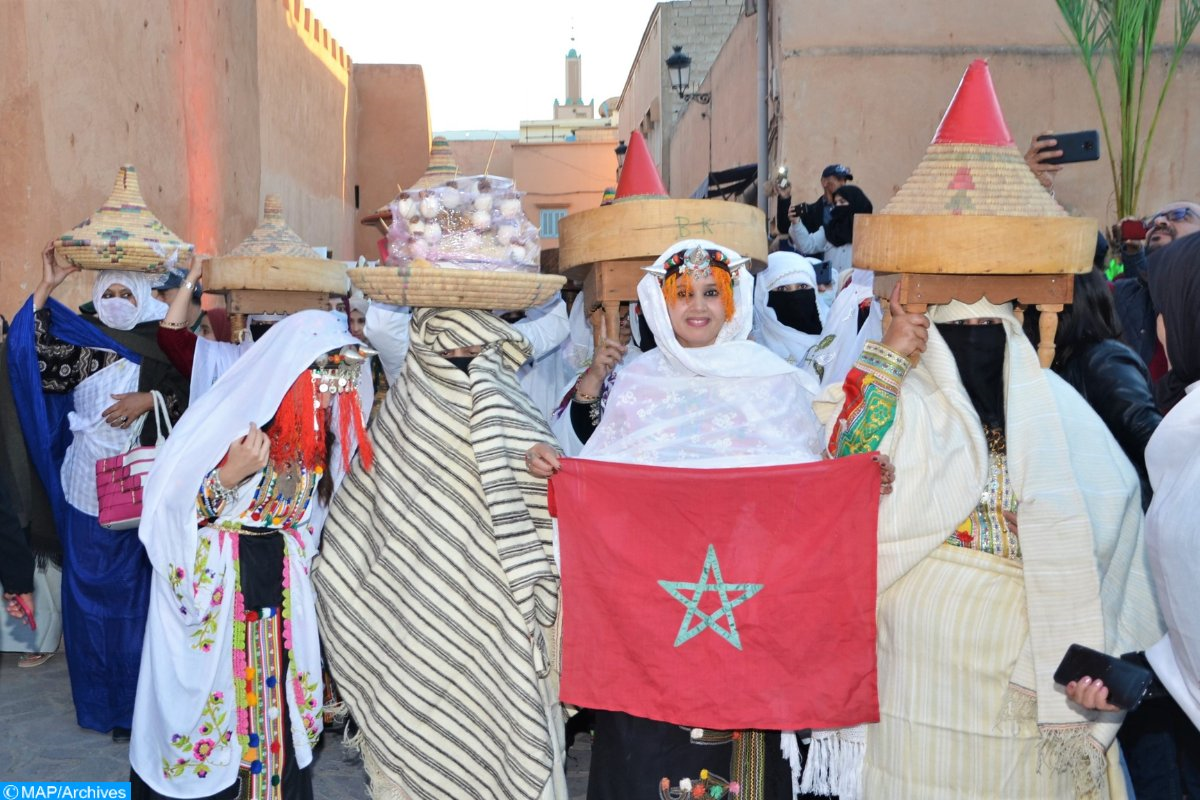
461	362
979	353
797	309
840	229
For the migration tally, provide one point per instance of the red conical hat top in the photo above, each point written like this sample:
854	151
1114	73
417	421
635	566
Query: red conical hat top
639	176
974	115
972	167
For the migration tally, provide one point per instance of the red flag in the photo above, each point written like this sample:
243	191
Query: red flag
720	598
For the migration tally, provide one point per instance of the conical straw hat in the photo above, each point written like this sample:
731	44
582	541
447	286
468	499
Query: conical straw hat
274	258
273	236
973	205
122	234
639	177
442	166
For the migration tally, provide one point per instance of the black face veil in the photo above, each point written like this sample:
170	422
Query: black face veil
798	309
979	353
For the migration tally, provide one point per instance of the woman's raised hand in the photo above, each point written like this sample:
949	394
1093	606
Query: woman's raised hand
907	334
246	456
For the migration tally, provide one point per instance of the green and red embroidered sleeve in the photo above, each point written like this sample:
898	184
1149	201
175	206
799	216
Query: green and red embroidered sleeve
871	389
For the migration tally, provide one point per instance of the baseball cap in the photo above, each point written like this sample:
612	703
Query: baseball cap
837	171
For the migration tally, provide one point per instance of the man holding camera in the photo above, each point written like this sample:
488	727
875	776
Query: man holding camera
817	213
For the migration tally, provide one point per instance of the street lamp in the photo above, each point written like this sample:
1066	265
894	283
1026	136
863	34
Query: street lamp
679	65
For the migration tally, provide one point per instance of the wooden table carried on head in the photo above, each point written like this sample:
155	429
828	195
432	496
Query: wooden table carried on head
606	248
272	285
936	259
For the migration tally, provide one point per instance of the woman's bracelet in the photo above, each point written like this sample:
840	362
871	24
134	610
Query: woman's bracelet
172	326
583	398
216	491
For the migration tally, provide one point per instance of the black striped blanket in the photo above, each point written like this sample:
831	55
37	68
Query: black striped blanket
436	578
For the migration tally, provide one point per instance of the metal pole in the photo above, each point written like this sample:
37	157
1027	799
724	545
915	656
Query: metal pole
763	11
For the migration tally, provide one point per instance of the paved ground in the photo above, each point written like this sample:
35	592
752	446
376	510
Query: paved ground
40	740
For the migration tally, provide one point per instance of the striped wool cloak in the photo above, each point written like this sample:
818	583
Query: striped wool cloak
436	580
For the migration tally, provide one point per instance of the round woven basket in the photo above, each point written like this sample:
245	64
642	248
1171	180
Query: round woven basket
422	285
122	234
274	258
974	245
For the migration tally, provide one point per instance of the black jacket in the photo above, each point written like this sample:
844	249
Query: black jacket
815	215
1116	384
1131	297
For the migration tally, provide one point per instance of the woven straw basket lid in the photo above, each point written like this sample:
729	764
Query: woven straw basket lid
442	167
422	285
273	237
273	257
122	234
973	205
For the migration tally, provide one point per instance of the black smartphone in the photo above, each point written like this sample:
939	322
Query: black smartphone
1076	147
1127	682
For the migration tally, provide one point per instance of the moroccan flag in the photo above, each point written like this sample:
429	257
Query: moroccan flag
720	598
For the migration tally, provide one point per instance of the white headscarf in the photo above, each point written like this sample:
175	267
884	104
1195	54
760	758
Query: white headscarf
784	268
733	403
250	391
148	308
842	341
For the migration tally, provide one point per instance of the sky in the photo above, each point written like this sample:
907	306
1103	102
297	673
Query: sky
488	63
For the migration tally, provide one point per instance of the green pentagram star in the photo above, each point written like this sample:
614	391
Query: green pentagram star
692	604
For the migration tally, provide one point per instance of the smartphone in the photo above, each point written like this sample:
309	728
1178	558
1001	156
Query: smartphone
1075	147
1133	230
800	209
1127	682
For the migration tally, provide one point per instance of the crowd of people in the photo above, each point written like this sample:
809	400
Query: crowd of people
308	543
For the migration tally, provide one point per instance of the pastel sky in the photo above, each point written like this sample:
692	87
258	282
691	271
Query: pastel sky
490	64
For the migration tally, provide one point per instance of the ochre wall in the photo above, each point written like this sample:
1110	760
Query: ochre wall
476	156
89	85
866	83
392	140
720	135
216	102
570	175
307	125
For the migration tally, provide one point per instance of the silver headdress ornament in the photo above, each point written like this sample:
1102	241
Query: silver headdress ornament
337	373
698	261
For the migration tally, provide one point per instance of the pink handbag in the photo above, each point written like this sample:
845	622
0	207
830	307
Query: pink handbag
119	479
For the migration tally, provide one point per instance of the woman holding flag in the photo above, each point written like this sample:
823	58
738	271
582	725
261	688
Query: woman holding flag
707	397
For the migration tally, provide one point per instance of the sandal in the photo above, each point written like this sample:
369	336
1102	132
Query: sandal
34	659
